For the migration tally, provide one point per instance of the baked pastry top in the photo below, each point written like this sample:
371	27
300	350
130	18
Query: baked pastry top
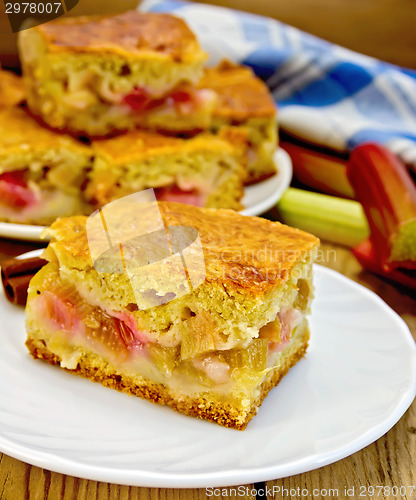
131	34
247	255
214	351
20	133
141	144
241	94
95	76
206	170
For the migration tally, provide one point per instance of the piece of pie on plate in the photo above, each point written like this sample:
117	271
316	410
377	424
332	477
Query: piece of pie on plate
245	101
206	170
99	75
213	350
41	173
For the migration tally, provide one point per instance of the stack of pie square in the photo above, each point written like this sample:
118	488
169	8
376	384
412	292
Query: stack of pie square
125	103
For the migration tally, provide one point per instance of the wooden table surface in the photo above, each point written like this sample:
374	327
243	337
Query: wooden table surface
390	461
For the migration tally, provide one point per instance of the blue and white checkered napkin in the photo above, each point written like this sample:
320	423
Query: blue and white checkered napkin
325	93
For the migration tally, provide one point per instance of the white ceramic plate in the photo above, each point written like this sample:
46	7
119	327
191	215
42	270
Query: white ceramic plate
262	196
257	198
357	380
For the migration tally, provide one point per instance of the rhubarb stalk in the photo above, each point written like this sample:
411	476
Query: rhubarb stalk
366	256
320	171
328	217
388	196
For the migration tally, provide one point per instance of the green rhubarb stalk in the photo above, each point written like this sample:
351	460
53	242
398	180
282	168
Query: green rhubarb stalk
328	217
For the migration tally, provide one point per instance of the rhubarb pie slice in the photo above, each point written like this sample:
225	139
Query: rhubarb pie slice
205	171
214	352
99	75
245	101
41	173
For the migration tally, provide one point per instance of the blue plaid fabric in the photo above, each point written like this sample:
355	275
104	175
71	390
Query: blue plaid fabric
326	94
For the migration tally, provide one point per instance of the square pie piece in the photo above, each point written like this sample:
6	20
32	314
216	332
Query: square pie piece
213	353
244	101
42	174
205	171
98	75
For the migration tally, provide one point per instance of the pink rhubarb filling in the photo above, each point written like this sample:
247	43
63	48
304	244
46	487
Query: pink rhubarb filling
14	191
116	332
289	320
178	195
184	99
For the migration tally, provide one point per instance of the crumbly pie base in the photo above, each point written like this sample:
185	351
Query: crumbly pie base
203	405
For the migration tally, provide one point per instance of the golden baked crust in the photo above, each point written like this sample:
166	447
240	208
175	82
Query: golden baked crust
209	166
244	101
214	349
141	144
53	168
131	34
11	89
96	76
21	133
220	412
263	252
241	94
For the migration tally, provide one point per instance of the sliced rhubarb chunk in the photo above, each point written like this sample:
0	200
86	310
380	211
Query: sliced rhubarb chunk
14	191
304	295
174	193
271	331
164	358
254	357
388	194
200	334
141	101
181	96
137	100
60	313
67	311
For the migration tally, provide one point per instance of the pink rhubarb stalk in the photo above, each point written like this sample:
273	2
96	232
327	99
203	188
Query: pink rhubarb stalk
388	195
366	256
